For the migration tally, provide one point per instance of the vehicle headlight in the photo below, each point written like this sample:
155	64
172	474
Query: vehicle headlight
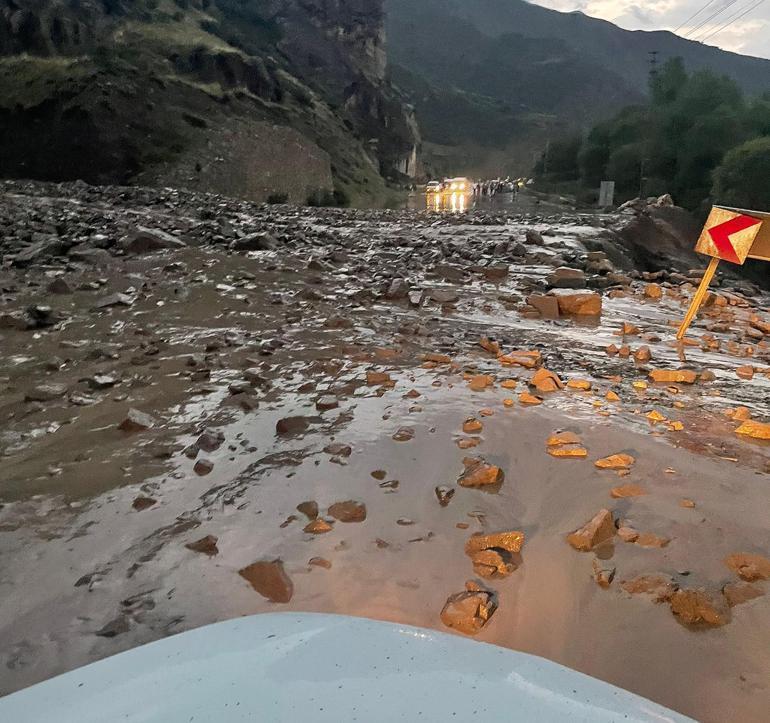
454	186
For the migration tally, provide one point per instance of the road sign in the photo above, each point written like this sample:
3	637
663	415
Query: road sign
730	234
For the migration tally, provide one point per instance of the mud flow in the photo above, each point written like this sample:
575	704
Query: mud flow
471	423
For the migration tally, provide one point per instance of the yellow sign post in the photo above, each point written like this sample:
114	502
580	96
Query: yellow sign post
730	234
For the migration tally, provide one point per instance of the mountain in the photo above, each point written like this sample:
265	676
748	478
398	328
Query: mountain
520	74
232	96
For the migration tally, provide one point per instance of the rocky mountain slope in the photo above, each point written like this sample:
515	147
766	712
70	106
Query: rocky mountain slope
520	73
248	99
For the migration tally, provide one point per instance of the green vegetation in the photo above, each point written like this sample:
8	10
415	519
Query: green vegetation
675	143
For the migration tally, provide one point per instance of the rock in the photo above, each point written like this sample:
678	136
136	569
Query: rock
599	529
45	392
546	381
604	574
377	378
472	426
468	611
348	511
737	593
642	355
443	296
309	509
320	562
317	527
495	272
661	587
510	541
89	255
59	286
326	403
115	627
649	539
580	304
136	421
254	242
289	426
479	382
269	579
692	606
491	563
338	449
533	238
653	291
114	300
210	441
749	566
203	466
398	289
403	434
628	490
673	376
144	240
566	278
444	494
615	461
628	534
206	545
547	306
479	473
100	381
142	503
755	430
664	201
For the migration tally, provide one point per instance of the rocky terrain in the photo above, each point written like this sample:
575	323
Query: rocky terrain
248	99
479	422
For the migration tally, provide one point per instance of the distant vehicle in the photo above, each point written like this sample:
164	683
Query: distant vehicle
458	185
433	187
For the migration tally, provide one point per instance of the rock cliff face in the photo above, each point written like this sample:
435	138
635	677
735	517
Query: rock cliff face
113	91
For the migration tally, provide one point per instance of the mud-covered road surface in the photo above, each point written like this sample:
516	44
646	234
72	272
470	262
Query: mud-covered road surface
169	401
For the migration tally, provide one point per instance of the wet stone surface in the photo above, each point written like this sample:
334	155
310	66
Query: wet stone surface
211	409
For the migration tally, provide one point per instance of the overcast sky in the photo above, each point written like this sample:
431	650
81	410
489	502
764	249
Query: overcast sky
749	34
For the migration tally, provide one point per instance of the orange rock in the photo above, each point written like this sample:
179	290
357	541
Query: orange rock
580	304
468	611
653	291
648	539
468	442
527	398
642	355
612	397
749	566
639	384
745	372
600	528
628	490
581	384
627	329
375	378
510	541
684	502
508	384
611	350
562	438
655	416
568	451
472	426
676	426
486	412
661	587
739	414
526	359
317	527
479	473
756	430
546	381
624	351
437	358
694	606
679	376
479	382
508	402
492	347
615	461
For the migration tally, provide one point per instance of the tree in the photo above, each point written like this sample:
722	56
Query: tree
743	178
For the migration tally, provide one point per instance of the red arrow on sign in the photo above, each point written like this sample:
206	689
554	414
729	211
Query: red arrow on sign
721	233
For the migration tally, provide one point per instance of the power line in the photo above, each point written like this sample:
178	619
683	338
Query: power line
694	15
732	19
711	17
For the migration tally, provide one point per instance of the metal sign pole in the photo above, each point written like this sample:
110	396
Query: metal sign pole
700	295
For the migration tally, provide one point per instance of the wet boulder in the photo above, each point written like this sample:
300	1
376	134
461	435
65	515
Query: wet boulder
348	511
600	528
254	242
136	421
144	240
269	579
470	610
567	278
479	473
693	606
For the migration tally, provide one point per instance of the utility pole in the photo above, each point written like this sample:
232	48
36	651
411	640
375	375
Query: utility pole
653	63
545	156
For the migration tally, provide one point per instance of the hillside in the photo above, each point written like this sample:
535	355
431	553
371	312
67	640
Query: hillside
287	96
514	65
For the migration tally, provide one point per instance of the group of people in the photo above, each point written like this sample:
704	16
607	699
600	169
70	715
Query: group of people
493	187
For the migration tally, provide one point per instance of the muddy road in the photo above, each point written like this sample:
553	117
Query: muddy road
211	409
